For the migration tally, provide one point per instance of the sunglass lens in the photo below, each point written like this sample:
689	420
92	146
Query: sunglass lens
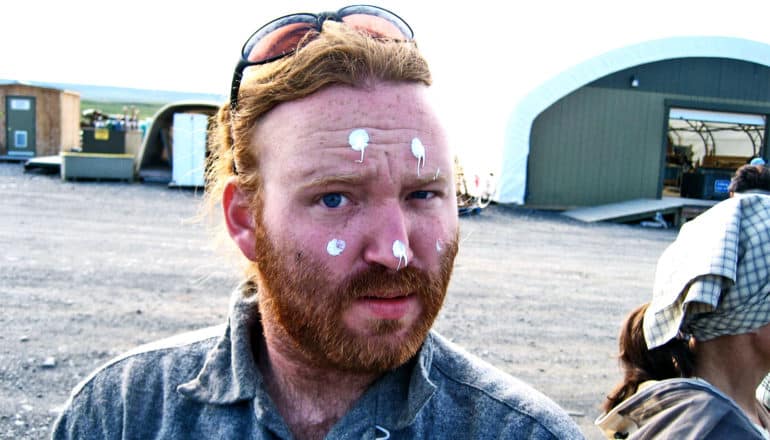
278	42
375	26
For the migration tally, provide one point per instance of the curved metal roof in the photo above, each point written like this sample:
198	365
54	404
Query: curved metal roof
152	146
513	174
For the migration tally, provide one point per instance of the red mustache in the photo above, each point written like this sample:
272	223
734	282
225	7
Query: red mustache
379	281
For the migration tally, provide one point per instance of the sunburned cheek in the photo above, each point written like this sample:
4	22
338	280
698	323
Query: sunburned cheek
435	238
428	249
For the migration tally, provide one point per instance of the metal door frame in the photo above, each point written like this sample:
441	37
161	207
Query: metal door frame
8	134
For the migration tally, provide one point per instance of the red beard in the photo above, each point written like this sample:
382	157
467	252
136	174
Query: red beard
308	307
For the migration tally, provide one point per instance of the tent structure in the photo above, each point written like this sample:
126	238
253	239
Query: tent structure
154	163
513	177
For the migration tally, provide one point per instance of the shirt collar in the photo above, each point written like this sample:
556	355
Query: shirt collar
230	373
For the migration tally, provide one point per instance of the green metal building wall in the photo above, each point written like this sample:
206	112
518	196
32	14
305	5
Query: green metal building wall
605	142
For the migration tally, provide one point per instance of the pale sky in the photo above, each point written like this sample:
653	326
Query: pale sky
484	55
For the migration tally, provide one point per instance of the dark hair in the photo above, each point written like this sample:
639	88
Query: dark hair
639	364
750	177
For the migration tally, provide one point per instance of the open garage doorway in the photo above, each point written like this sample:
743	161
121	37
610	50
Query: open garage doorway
704	148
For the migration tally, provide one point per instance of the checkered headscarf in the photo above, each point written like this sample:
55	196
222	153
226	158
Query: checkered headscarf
714	280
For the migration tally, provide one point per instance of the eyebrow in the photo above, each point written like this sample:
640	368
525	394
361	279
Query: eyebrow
427	179
359	179
338	179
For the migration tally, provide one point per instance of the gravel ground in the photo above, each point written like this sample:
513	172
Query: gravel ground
91	269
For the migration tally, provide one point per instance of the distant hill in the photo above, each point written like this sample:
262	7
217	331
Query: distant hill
123	94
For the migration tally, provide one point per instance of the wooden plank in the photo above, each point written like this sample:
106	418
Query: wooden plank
635	209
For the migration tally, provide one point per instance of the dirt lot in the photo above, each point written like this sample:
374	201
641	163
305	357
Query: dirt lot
90	269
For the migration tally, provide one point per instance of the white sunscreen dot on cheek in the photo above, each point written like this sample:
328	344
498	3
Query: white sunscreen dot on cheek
359	140
399	251
418	150
335	247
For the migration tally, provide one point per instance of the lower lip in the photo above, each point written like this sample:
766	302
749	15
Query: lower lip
388	308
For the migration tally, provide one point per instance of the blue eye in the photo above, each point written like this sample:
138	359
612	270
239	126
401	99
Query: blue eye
332	200
421	195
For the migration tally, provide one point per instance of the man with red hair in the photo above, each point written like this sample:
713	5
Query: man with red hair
335	178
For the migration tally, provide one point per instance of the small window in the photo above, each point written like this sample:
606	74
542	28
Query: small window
21	104
20	139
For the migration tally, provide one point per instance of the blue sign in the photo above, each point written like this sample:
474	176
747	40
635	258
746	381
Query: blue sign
721	185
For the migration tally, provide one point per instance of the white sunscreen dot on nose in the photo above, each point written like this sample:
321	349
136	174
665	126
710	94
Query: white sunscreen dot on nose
418	150
359	140
399	251
335	247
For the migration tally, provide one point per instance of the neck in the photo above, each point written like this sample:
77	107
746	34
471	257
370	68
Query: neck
730	364
310	398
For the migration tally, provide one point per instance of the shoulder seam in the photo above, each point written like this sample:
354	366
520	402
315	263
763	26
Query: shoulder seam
496	399
198	336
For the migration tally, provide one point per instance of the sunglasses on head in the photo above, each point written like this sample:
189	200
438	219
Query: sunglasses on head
284	35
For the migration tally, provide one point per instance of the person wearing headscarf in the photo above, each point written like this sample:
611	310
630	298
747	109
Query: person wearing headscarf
754	177
694	355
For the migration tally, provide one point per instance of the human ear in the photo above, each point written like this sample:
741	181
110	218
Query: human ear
239	218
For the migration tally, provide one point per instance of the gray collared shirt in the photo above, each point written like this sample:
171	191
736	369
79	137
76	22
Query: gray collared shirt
206	385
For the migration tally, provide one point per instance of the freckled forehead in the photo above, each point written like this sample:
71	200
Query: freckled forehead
390	113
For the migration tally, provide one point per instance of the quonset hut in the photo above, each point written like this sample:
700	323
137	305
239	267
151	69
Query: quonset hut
667	117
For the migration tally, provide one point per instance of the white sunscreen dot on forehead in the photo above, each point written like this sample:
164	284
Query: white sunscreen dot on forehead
418	150
399	251
335	247
359	140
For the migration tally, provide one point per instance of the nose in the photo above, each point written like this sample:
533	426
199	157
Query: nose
387	241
